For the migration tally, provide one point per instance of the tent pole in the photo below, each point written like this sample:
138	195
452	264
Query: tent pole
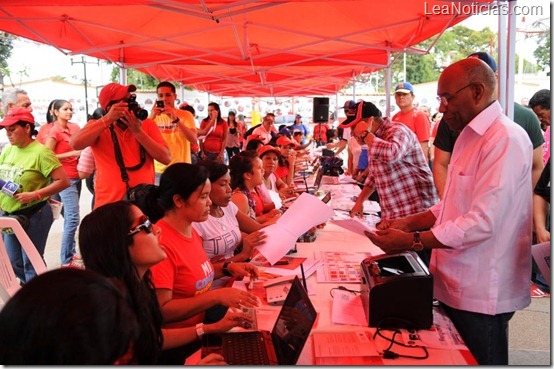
511	61
122	69
502	72
388	84
336	115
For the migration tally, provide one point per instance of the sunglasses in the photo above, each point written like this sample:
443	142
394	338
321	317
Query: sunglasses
146	226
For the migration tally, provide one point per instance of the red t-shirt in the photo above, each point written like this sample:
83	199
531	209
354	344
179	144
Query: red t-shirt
214	140
282	172
416	121
108	186
62	137
187	271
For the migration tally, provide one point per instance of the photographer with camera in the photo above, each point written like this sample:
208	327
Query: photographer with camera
177	126
124	135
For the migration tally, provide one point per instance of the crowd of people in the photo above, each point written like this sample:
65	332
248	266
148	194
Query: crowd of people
179	209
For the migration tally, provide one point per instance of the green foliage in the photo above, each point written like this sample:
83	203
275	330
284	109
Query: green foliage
134	77
542	52
6	46
455	44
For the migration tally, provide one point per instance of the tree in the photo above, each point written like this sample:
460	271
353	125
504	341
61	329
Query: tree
134	77
455	44
6	46
542	52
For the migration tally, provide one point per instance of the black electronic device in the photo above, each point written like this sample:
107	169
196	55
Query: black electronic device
397	291
321	109
281	346
160	104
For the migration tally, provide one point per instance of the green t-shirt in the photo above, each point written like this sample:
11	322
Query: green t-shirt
29	167
527	119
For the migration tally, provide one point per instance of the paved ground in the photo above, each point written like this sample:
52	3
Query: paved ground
529	329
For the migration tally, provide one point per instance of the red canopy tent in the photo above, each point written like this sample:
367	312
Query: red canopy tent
235	47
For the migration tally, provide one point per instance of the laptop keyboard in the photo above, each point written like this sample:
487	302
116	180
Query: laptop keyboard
248	349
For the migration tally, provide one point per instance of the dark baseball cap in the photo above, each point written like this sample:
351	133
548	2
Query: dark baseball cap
358	112
487	58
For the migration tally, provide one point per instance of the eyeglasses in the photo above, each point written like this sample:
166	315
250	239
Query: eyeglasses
445	100
146	226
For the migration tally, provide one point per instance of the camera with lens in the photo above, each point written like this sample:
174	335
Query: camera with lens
134	106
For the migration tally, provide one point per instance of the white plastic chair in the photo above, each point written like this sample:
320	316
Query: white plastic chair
8	280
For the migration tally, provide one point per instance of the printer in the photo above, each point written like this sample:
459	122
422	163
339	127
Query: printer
397	291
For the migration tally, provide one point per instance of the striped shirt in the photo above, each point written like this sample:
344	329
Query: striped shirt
399	172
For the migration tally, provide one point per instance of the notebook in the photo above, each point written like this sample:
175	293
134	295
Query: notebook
281	346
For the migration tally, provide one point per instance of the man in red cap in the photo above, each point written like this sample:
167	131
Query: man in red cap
140	142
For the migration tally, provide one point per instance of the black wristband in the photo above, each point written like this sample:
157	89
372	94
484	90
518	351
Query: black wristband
176	120
226	269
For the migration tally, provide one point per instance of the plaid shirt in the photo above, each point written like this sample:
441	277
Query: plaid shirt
399	172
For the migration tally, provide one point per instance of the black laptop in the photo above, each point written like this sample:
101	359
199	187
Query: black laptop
311	189
281	346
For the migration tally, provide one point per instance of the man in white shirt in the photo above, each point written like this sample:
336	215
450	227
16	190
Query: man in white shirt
264	130
481	230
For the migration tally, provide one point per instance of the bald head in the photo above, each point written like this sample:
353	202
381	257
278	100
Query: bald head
466	88
471	70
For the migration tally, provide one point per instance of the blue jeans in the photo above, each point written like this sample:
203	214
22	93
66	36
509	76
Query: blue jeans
486	336
39	227
70	200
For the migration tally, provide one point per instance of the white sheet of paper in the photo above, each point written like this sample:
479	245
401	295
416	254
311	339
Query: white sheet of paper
348	309
306	212
443	335
276	199
354	225
310	266
344	344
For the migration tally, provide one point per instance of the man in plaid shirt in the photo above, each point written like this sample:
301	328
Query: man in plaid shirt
397	166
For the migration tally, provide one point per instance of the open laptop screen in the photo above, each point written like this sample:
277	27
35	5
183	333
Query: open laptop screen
293	326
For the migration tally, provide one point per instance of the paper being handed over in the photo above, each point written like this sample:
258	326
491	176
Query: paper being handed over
306	212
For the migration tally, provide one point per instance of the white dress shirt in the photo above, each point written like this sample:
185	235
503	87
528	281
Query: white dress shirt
486	218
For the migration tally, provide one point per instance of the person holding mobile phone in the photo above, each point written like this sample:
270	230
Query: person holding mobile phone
177	126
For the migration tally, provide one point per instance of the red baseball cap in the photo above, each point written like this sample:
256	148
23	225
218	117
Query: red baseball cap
112	92
268	148
285	141
15	115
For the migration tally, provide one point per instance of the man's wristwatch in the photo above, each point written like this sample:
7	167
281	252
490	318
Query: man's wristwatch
416	244
200	330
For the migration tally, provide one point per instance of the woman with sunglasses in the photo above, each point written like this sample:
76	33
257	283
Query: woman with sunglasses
183	280
118	241
228	234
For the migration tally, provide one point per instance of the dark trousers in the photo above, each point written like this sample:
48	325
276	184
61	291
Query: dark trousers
486	336
231	151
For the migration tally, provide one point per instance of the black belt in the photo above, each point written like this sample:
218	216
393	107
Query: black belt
28	211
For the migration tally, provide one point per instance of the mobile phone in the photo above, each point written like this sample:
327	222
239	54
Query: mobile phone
160	104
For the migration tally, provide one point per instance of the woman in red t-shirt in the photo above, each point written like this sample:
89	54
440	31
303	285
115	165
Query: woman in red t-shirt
215	131
57	140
